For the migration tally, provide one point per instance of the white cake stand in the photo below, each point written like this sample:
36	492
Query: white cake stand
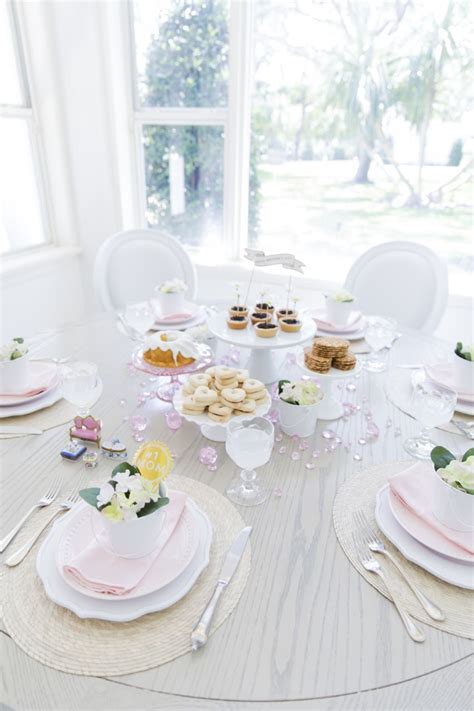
261	363
329	408
212	430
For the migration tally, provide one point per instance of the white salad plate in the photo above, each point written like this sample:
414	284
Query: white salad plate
40	402
120	610
451	571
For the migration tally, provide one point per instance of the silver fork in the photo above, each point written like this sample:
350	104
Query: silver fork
22	552
467	428
45	500
370	564
377	546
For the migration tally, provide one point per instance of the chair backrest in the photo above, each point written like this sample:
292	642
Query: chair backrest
401	279
130	264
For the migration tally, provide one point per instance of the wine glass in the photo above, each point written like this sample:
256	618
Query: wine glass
379	335
249	444
432	404
80	385
139	318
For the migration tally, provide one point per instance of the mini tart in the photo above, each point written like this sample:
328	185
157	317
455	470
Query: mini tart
260	317
286	313
237	323
266	330
238	311
268	308
290	325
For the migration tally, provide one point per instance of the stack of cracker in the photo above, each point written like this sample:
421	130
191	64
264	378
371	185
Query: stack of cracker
222	392
329	352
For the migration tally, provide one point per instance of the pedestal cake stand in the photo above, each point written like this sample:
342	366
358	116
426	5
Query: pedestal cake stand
168	391
329	408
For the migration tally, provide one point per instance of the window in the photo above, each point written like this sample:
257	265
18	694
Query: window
358	117
22	214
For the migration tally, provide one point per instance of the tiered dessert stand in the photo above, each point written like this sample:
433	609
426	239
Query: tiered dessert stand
261	363
329	408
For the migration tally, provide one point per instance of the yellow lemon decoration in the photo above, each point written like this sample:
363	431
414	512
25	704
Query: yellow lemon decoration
154	461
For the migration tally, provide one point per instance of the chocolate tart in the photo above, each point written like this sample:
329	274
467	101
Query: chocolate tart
237	323
290	325
266	330
260	317
286	313
238	311
268	308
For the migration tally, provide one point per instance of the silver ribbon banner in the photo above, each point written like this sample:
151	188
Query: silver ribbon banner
285	259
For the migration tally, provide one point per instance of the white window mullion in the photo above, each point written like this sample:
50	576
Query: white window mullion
237	131
181	117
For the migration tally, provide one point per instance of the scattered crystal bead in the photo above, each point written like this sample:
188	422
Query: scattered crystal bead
310	465
351	387
212	468
316	454
122	402
357	457
362	441
295	456
278	437
138	423
328	434
138	437
173	420
278	493
208	456
282	450
303	445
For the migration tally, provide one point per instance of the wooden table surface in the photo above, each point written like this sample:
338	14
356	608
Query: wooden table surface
308	630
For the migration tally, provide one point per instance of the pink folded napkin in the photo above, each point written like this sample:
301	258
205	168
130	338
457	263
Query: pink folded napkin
98	569
174	317
341	328
42	378
413	487
443	373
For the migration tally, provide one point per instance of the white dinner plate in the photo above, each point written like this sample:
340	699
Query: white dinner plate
451	571
34	405
36	368
119	610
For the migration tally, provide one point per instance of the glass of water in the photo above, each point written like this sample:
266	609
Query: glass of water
249	444
139	318
433	405
379	335
80	385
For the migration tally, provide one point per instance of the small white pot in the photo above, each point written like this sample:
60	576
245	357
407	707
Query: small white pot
338	312
170	303
298	419
452	507
463	371
14	375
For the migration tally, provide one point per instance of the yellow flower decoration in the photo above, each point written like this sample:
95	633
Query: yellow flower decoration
154	461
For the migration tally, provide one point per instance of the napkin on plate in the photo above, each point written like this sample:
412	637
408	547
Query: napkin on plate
174	317
100	570
41	379
413	488
341	328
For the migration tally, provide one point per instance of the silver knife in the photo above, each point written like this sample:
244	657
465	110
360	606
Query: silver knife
232	560
14	429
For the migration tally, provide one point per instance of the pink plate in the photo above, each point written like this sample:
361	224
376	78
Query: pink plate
42	375
442	373
189	312
205	359
422	532
171	561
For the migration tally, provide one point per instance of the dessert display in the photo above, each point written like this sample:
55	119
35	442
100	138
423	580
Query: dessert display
260	317
329	352
222	392
170	349
290	325
237	322
266	330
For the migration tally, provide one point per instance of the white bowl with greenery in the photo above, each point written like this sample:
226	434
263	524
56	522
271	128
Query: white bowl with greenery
14	367
339	306
453	489
298	406
463	368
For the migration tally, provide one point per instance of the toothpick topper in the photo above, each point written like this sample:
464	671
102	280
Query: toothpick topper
285	259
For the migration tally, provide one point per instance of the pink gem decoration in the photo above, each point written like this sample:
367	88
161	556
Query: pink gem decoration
295	438
212	468
272	416
173	420
310	465
278	493
138	437
138	423
357	457
208	456
372	431
278	437
295	456
328	434
303	445
282	450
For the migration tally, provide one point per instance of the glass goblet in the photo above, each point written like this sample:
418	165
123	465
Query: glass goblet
80	385
249	444
433	405
379	335
139	318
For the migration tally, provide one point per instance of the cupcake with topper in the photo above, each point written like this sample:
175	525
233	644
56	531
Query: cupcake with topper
238	309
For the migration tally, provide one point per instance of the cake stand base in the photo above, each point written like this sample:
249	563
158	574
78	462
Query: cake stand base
329	408
261	365
216	433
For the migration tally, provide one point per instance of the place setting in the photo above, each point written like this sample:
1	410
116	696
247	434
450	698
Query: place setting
340	316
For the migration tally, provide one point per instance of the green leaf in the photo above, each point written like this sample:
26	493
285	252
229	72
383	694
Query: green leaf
18	340
469	453
152	506
281	383
90	495
15	355
467	356
123	468
440	456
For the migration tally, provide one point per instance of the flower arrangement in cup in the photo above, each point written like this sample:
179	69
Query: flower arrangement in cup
464	368
13	350
305	395
341	296
173	286
466	352
133	490
299	392
458	473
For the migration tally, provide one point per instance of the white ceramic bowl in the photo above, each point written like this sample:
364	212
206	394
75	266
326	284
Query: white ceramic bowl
14	375
452	507
298	419
338	312
463	371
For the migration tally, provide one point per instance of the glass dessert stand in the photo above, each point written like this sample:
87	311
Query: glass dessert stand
329	408
213	430
261	364
168	390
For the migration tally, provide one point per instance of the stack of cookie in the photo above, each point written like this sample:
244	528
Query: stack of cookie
222	392
329	352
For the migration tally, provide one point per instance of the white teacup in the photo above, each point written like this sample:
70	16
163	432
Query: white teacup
169	303
14	375
452	507
463	371
338	312
298	420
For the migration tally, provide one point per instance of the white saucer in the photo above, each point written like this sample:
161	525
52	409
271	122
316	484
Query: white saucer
33	405
188	307
119	610
451	571
358	326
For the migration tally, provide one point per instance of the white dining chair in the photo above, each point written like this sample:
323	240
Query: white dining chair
130	264
404	280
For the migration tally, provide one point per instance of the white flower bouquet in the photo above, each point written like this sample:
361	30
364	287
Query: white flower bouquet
453	494
298	406
341	296
301	392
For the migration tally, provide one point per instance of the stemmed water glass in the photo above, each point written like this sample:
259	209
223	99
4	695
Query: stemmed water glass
433	405
137	319
379	335
249	444
80	385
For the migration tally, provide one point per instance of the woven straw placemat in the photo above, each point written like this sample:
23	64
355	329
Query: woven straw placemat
399	390
59	639
358	493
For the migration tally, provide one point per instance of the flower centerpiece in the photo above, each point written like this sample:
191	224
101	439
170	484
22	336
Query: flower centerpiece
464	368
14	366
298	402
339	305
453	501
131	502
170	296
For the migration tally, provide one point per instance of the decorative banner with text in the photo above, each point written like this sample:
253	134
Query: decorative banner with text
285	259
